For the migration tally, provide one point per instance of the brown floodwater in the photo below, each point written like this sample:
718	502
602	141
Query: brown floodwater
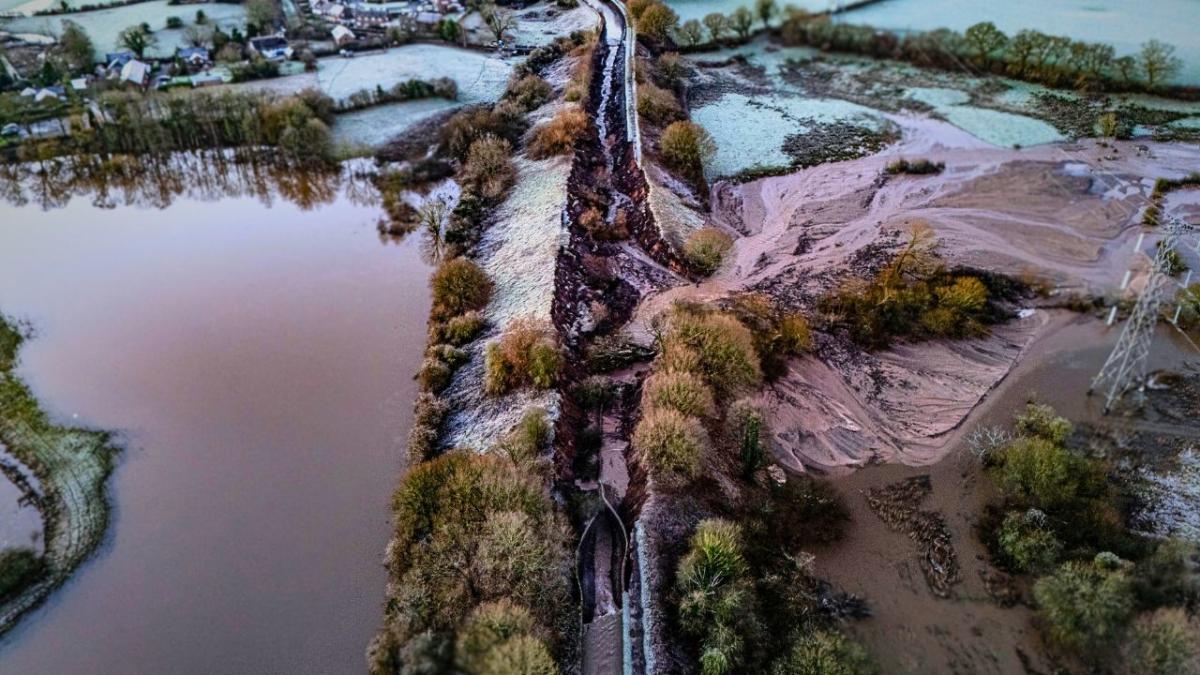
256	362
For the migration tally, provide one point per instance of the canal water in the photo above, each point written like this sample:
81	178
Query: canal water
256	361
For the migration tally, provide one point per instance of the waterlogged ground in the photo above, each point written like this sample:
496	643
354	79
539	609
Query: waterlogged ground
372	127
104	26
1123	24
256	360
752	98
481	77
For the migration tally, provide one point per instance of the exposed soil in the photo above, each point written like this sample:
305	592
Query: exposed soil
1063	215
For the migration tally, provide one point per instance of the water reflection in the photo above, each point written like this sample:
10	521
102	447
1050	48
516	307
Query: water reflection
110	181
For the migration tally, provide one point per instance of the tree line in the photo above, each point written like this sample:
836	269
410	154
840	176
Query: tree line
1029	55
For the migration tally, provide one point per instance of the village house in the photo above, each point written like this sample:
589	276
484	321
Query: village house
342	36
271	47
195	57
136	72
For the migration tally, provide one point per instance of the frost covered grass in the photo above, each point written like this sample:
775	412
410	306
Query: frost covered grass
70	465
375	126
750	131
1173	499
481	78
542	24
104	25
698	9
992	126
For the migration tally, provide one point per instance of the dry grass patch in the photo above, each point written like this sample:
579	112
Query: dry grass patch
557	137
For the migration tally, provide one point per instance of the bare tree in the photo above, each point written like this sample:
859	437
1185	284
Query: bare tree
1158	62
498	20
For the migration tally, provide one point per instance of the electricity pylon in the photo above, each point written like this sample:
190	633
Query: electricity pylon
1127	367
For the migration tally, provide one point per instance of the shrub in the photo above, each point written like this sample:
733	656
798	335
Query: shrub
824	652
669	443
459	330
746	427
1038	473
711	578
557	137
1164	642
488	169
526	355
679	391
428	413
916	167
529	437
669	69
1040	421
434	375
174	22
449	354
499	638
1084	605
530	92
715	346
686	147
705	249
459	286
656	105
1027	543
794	335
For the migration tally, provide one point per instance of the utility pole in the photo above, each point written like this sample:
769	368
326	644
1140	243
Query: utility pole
1127	367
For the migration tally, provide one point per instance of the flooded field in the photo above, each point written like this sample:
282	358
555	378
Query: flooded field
1124	25
254	358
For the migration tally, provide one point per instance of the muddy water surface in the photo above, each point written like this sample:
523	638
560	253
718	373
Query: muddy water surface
257	363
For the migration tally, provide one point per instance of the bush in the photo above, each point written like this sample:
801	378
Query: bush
499	638
916	167
824	652
1164	642
1040	421
488	169
557	137
746	428
472	529
526	355
1038	473
686	147
174	22
705	249
669	443
434	375
716	595
428	413
530	92
794	335
1027	542
529	437
458	286
658	106
680	391
715	346
1085	606
458	330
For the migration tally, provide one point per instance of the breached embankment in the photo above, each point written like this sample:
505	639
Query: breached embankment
1064	216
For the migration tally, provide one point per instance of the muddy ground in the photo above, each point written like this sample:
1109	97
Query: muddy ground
983	624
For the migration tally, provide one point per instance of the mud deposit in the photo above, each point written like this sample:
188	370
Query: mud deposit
917	625
256	362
